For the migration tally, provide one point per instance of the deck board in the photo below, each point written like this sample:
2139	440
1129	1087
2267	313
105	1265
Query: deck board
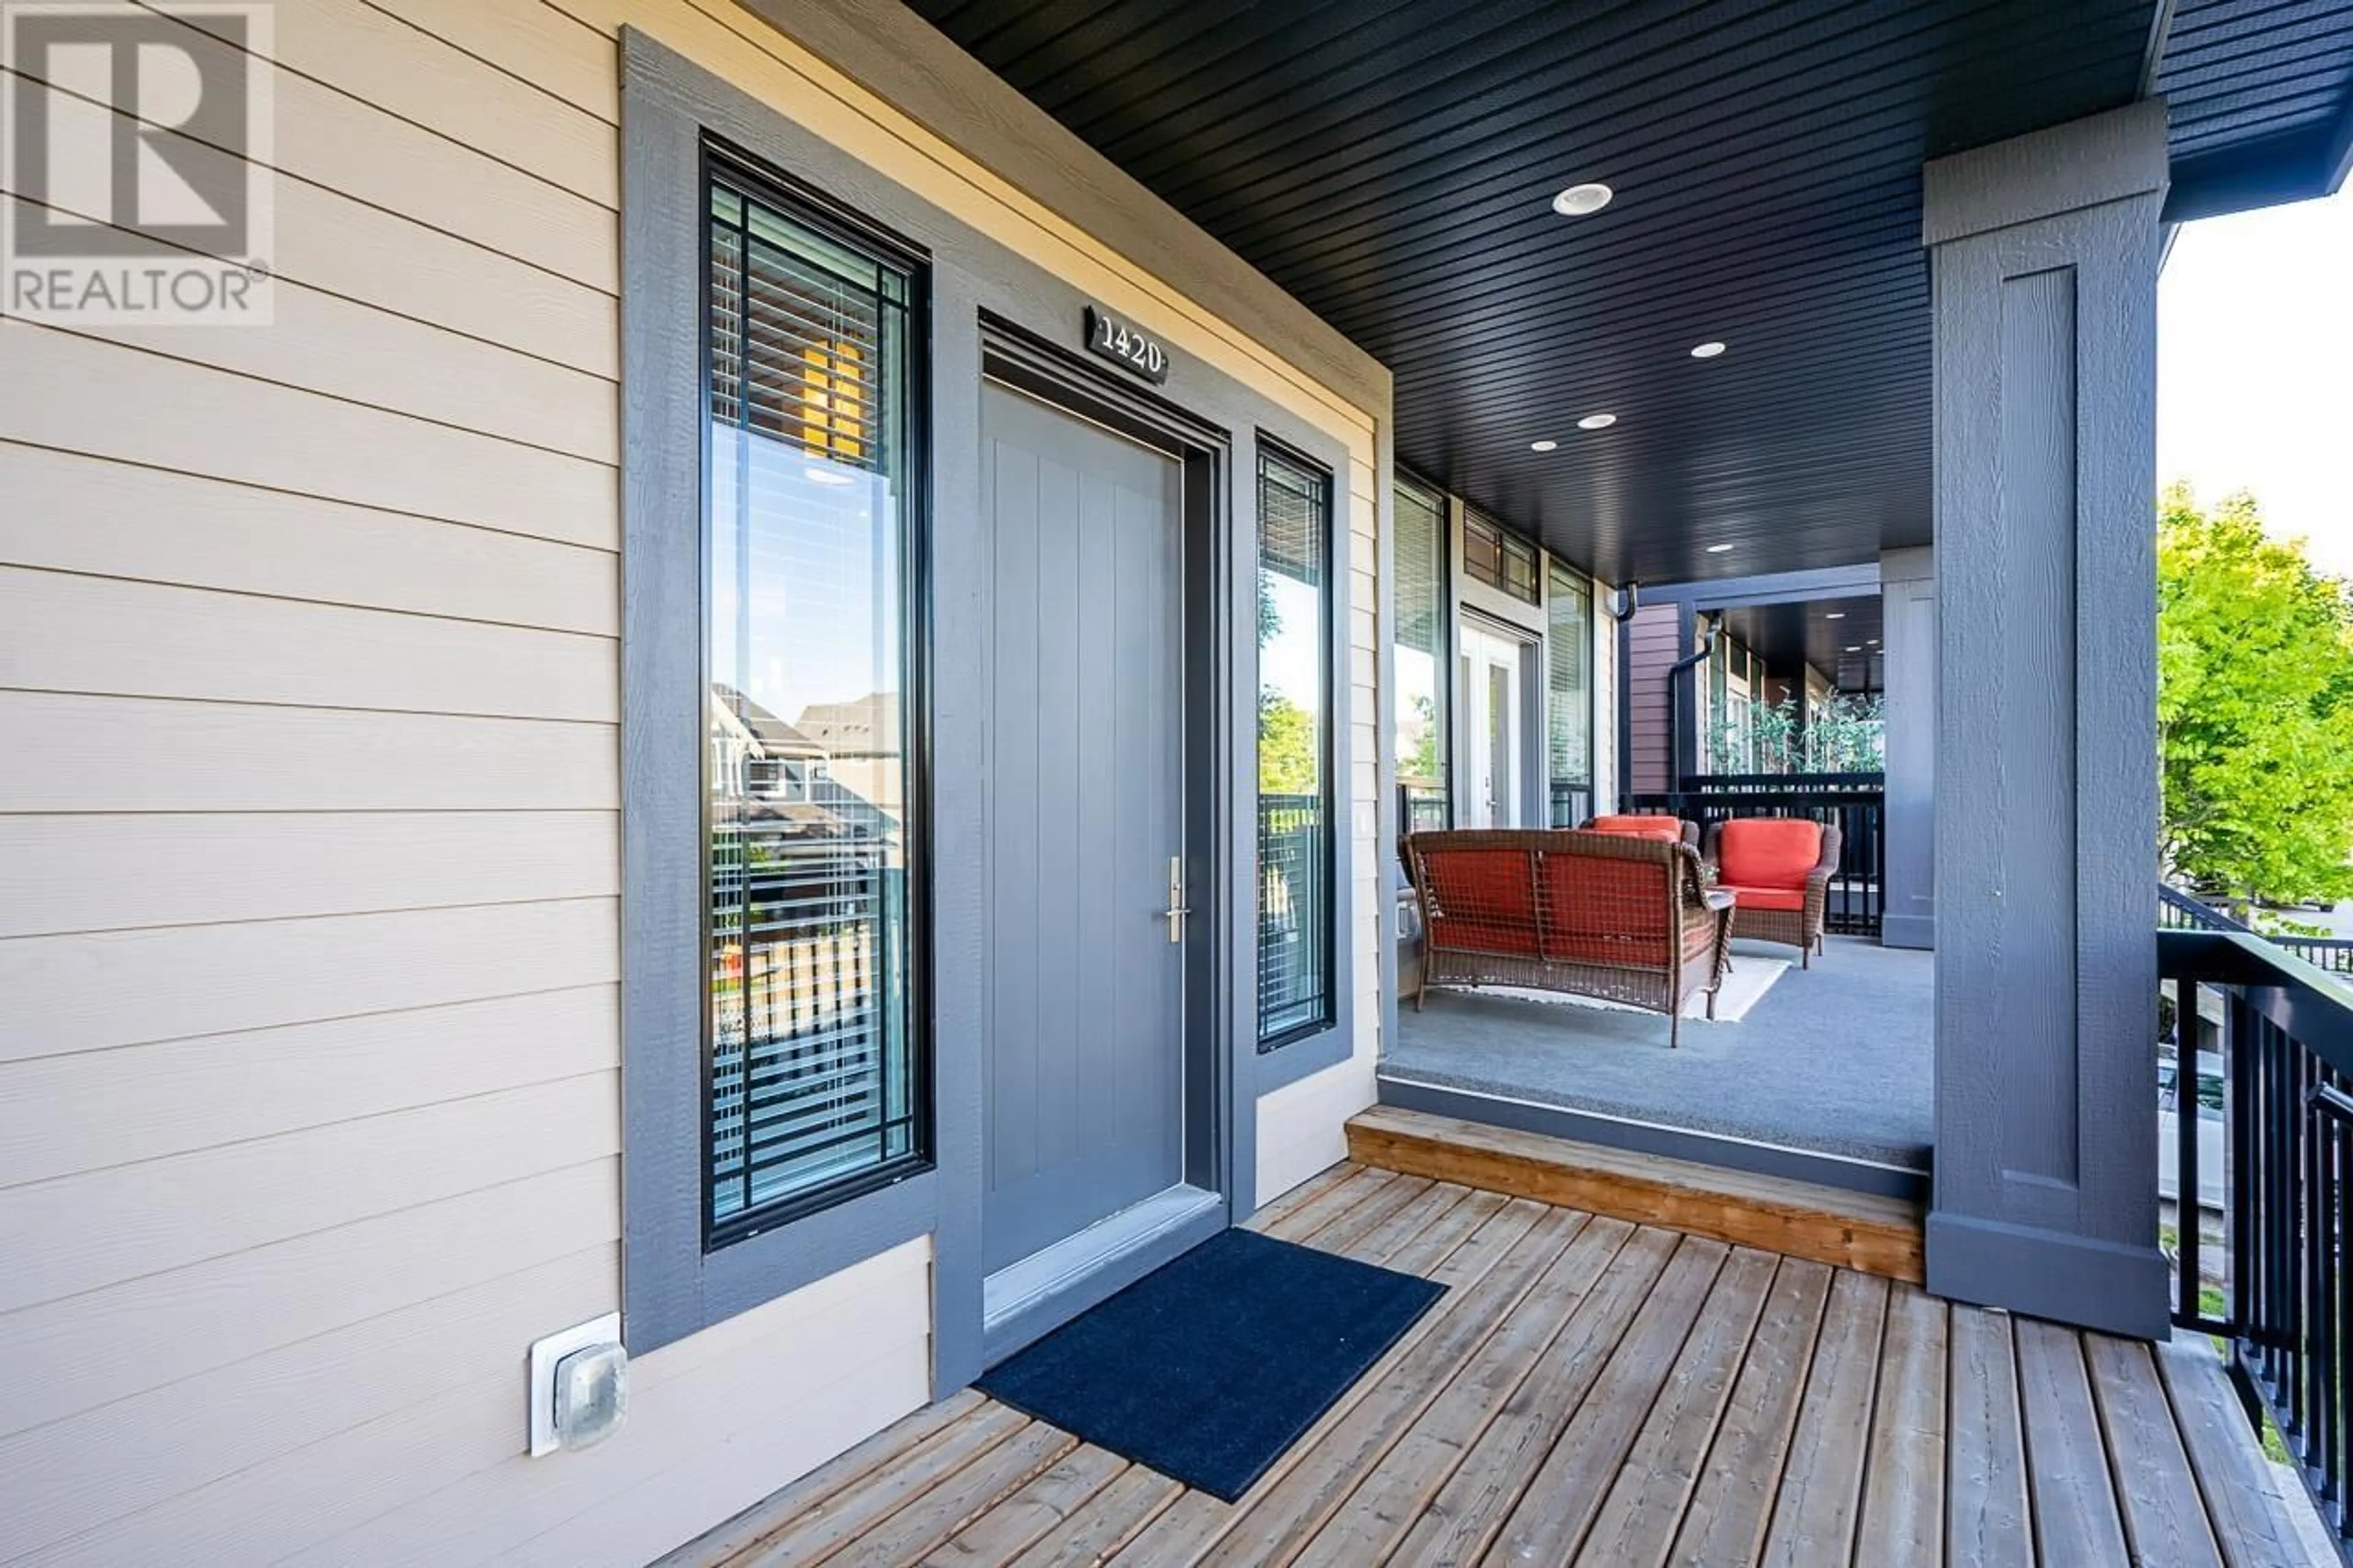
1733	1504
2231	1479
1567	1492
2075	1516
1479	1496
1003	1532
1637	1519
2164	1519
1273	1525
1600	1391
1821	1479
850	1514
1988	1520
1904	1497
1106	1522
1392	1493
991	1481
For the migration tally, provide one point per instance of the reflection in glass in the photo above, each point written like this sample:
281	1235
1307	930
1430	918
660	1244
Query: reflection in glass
1568	697
811	1068
1294	786
1421	659
1500	559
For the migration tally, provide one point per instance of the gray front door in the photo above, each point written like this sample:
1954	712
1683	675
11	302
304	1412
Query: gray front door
1085	809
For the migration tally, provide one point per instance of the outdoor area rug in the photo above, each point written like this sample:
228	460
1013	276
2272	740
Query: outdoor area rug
1743	988
1207	1369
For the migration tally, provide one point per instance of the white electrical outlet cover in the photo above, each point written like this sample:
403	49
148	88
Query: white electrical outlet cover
545	1354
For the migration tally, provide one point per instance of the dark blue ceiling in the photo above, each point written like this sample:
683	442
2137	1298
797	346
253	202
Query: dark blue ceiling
1391	162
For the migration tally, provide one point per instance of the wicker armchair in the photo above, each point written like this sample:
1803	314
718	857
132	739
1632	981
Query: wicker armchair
1644	824
1779	870
1592	914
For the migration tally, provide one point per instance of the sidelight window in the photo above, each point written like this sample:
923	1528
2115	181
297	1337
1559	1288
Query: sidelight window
1568	695
1421	661
810	1081
1294	751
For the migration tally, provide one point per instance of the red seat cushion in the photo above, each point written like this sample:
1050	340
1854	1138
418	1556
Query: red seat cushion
1767	852
1666	829
1480	901
1767	897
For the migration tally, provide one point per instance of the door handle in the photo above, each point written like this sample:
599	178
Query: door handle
1175	912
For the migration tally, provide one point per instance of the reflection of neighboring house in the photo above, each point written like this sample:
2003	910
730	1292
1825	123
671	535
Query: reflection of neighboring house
860	743
823	777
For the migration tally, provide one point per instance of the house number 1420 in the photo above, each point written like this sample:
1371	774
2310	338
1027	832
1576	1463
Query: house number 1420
1117	339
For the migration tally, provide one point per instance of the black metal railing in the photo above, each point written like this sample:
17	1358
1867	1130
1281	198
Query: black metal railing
1571	804
1856	803
2284	1044
1421	808
810	1076
1294	916
2177	911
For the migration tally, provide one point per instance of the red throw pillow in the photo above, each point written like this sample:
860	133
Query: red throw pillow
1665	829
1767	851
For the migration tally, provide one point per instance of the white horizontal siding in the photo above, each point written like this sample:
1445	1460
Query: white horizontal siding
72	513
309	818
73	753
93	990
72	633
176	1097
205	868
73	393
189	1320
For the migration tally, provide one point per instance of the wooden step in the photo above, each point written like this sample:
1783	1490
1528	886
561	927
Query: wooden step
1851	1230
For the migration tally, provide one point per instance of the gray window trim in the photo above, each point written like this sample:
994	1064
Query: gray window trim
1304	1055
670	1288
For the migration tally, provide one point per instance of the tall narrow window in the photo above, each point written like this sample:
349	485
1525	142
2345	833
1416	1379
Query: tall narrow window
1294	751
1568	695
811	1080
1421	658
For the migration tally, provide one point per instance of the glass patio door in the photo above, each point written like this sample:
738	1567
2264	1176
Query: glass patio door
1493	740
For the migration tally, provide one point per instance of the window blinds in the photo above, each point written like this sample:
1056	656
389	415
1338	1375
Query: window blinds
810	1080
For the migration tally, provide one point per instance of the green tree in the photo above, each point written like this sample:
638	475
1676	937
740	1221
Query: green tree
1287	763
2254	707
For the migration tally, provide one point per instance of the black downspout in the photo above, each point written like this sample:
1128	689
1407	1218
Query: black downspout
1622	612
1682	667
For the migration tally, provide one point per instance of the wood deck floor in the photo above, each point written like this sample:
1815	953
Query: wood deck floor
1590	1391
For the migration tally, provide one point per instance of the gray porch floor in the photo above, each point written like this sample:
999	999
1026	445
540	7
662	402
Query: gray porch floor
1837	1059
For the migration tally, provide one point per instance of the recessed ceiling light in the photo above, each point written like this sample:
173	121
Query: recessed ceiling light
1835	616
1597	422
1854	647
1717	549
1707	351
1581	201
1871	641
1541	446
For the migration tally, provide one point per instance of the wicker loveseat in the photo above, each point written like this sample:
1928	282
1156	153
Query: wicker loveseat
1593	914
1779	870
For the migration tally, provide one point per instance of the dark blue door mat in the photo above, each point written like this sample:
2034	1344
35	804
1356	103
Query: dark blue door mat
1209	1368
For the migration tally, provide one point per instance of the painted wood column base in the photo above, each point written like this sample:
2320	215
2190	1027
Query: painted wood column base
2118	1288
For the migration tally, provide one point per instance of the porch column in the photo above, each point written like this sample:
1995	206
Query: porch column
1907	641
2043	255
